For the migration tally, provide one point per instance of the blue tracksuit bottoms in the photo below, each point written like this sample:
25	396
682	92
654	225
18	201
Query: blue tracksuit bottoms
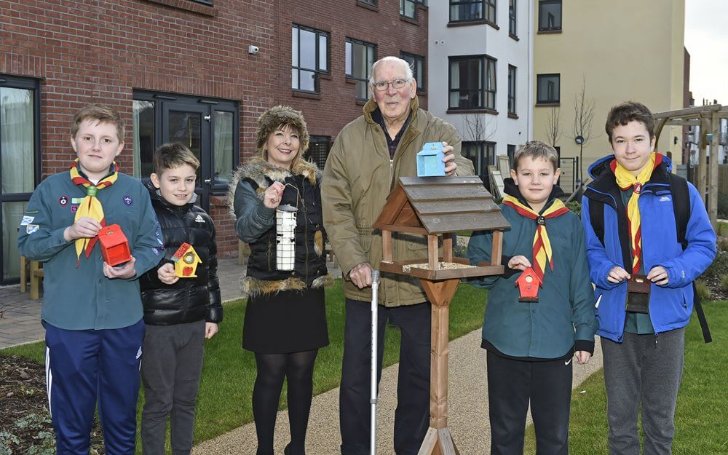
86	367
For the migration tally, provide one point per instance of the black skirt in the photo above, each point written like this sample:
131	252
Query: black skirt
284	322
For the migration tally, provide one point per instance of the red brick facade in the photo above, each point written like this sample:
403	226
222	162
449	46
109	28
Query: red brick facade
100	51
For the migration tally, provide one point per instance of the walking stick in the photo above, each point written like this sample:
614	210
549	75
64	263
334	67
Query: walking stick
373	389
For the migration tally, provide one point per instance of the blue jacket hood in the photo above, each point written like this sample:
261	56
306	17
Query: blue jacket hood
602	164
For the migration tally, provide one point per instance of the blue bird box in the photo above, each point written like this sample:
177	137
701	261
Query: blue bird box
429	160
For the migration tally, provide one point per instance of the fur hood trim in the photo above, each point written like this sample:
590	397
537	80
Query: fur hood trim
252	287
257	169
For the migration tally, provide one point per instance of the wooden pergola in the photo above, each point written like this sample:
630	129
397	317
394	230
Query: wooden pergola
708	119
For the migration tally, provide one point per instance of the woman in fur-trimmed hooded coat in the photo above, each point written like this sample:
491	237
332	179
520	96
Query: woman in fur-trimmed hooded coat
285	318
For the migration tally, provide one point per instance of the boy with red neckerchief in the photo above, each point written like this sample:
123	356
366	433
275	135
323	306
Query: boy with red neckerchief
531	344
642	332
92	312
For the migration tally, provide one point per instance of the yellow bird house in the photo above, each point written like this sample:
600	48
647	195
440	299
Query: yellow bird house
186	260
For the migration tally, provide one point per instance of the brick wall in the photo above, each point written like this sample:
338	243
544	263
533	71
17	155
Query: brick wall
100	51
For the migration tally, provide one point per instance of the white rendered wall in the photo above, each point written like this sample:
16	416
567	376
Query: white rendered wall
482	39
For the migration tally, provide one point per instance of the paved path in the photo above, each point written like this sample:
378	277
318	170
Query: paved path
468	411
468	421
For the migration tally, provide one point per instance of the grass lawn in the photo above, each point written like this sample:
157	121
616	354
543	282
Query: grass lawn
702	406
224	400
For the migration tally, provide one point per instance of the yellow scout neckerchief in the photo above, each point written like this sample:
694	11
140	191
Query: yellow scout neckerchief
90	206
541	245
625	181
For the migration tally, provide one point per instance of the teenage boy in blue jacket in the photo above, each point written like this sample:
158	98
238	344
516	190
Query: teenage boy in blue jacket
643	333
531	344
92	312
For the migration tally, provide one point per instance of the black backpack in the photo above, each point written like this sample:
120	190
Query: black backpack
681	207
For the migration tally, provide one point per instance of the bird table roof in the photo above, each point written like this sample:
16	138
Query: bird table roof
440	205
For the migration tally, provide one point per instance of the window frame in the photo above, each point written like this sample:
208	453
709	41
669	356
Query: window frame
512	86
485	154
513	19
485	93
403	9
547	101
317	71
458	3
542	27
314	140
348	63
421	84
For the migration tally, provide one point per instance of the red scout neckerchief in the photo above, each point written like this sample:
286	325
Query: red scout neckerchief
541	245
90	206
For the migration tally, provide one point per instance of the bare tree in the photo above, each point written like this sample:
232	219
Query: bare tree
553	127
478	127
583	116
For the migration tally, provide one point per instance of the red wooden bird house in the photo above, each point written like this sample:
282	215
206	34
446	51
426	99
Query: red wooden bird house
114	245
528	284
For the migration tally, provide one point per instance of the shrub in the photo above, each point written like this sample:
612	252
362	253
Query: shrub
574	206
703	290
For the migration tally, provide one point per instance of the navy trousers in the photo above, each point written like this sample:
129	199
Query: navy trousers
86	367
512	386
411	418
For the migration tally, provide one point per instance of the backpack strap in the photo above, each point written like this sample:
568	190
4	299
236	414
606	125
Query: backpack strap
681	206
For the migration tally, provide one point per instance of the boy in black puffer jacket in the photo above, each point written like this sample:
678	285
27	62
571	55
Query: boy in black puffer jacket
179	311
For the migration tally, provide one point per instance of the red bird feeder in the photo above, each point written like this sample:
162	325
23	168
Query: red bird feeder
114	245
528	284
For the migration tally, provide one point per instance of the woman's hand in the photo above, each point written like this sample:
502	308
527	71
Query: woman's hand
273	195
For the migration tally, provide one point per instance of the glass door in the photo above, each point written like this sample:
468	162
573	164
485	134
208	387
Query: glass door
189	124
208	127
19	168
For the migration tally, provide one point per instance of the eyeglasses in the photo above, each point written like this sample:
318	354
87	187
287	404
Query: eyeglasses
396	84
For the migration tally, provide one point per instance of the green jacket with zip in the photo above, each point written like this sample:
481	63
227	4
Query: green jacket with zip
358	177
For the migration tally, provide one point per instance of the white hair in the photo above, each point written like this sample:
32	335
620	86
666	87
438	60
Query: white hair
406	66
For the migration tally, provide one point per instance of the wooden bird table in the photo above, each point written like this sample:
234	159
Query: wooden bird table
436	207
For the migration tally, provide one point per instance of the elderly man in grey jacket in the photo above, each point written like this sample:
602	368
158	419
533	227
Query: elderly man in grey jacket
365	163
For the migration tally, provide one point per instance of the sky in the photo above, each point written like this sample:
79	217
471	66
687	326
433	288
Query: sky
706	39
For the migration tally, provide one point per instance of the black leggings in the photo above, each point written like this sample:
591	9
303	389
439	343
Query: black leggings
297	368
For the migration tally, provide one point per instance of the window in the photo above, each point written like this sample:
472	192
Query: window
512	90
511	152
359	59
472	83
368	2
482	154
549	15
19	163
417	63
466	10
208	127
309	58
548	88
512	31
318	150
204	2
407	8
